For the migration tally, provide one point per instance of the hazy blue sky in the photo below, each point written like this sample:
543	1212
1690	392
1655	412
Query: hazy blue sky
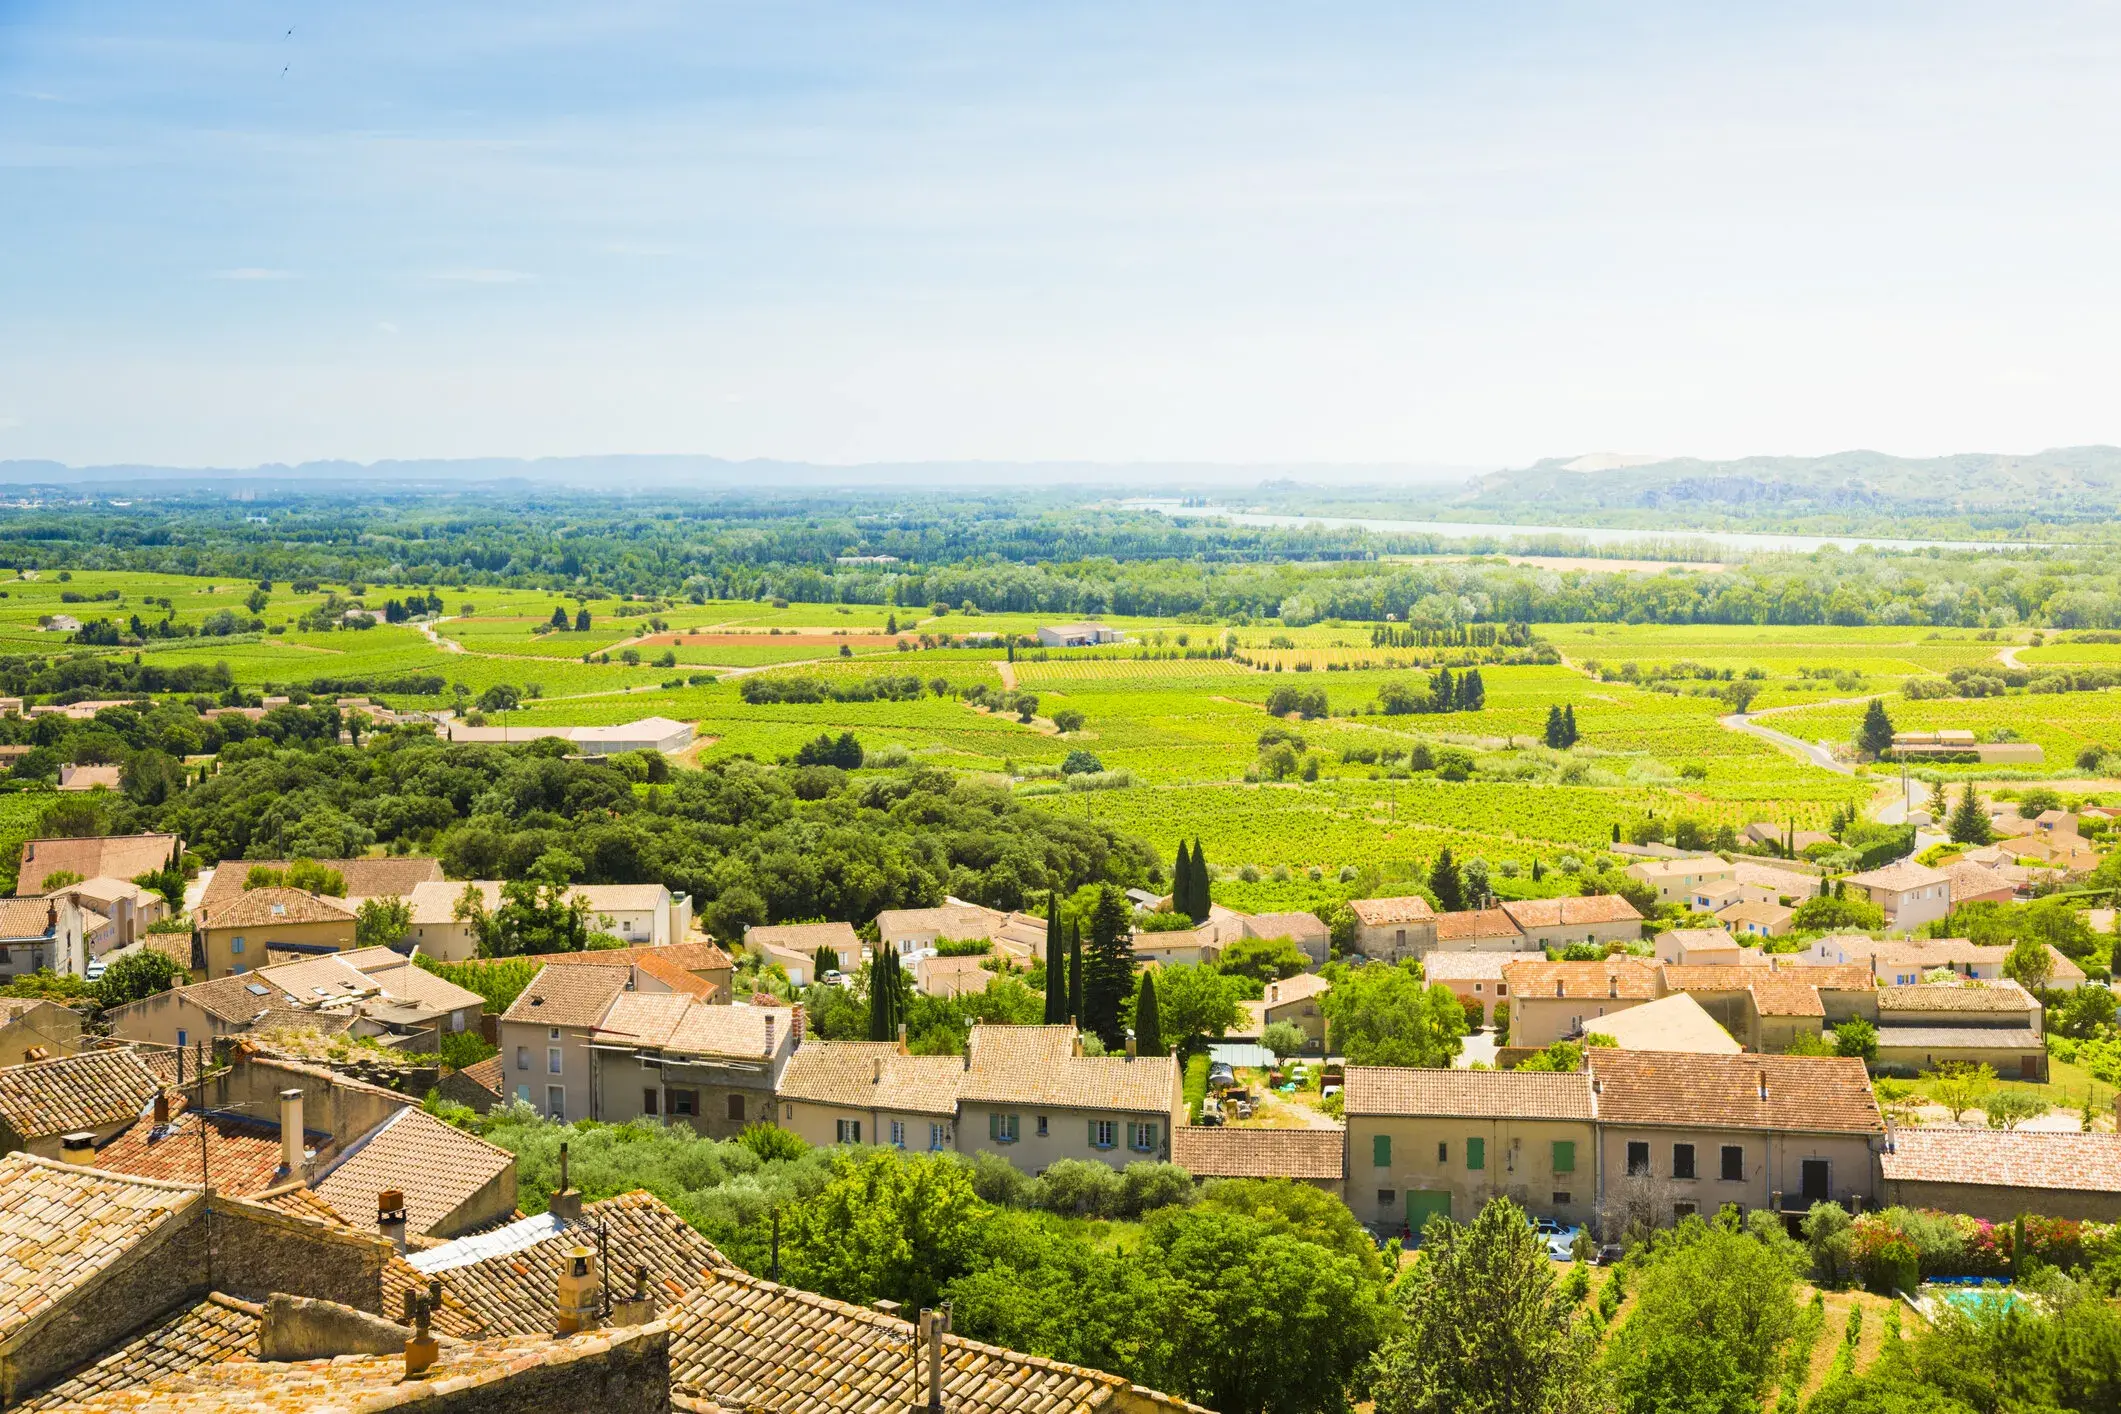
1456	233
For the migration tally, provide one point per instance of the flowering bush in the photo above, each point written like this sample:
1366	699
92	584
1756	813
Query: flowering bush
1955	1245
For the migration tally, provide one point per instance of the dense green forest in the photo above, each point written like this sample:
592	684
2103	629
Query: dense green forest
1023	554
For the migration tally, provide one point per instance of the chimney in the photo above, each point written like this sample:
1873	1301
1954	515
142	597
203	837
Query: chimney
390	1217
1130	1047
1077	1045
78	1148
902	1038
422	1350
1763	1087
876	1076
566	1201
162	1105
291	1136
769	1033
932	1326
51	918
637	1309
577	1303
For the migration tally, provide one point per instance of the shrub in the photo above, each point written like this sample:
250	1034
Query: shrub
1079	1188
1146	1186
1080	762
1000	1182
771	1142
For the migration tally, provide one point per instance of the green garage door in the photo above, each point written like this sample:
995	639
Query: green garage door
1423	1202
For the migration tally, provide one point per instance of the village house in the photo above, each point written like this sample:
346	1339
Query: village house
116	913
1185	947
34	1029
1083	635
1481	930
1994	1023
1471	977
1997	1174
94	1094
1687	1134
1758	920
1777	881
1574	918
370	991
1699	947
700	970
1441	1143
1968	882
1310	934
1558	1001
637	914
1676	879
871	1092
1032	1096
910	930
36	933
377	876
1911	894
91	777
241	936
1294	1000
795	947
1671	1023
1393	929
1317	1157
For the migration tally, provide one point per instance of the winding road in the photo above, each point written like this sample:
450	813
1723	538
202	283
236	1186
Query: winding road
1811	751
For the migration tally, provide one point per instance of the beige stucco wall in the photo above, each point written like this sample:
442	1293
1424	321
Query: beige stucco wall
54	1028
1394	942
1067	1134
447	942
1541	1021
574	1076
1303	1015
1561	936
161	1017
1773	1164
1518	1165
623	1081
2001	1204
222	959
817	1123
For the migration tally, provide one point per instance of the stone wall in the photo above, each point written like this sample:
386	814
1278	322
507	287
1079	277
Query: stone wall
632	1377
2001	1204
257	1251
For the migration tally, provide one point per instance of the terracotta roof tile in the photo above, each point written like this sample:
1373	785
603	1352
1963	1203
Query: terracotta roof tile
1812	1094
437	1166
474	1374
1959	1038
806	937
1900	875
1037	1065
244	1152
1287	925
1467	1094
568	996
872	1075
1287	991
93	857
274	907
91	1090
1383	912
1624	977
25	918
216	1329
1466	966
2005	1158
1781	993
1476	923
60	1226
1571	911
1228	1152
487	1075
743	1342
380	877
2000	996
507	1277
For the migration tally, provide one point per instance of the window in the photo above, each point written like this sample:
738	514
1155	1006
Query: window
682	1102
1476	1153
898	1134
553	1034
241	968
552	1060
650	1102
1733	1163
1476	985
736	1109
1564	1156
1638	1159
1041	1126
1001	1128
235	945
938	1136
1443	1151
523	1093
1387	1198
555	1102
847	1131
1562	1200
180	1038
522	1058
1104	1134
1683	1161
1502	989
1399	937
1682	1211
1381	1151
1141	1138
456	1019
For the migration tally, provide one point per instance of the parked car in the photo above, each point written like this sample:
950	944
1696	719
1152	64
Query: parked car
1559	1237
1610	1253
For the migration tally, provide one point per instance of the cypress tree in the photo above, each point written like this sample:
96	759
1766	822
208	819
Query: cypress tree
883	964
1202	895
1446	883
1557	738
1148	1026
1875	736
1056	963
1108	968
822	961
1472	692
1568	725
1075	974
1182	881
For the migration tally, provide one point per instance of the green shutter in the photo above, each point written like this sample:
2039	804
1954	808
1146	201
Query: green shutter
1476	1153
1093	1134
1148	1136
994	1125
1381	1151
1564	1156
